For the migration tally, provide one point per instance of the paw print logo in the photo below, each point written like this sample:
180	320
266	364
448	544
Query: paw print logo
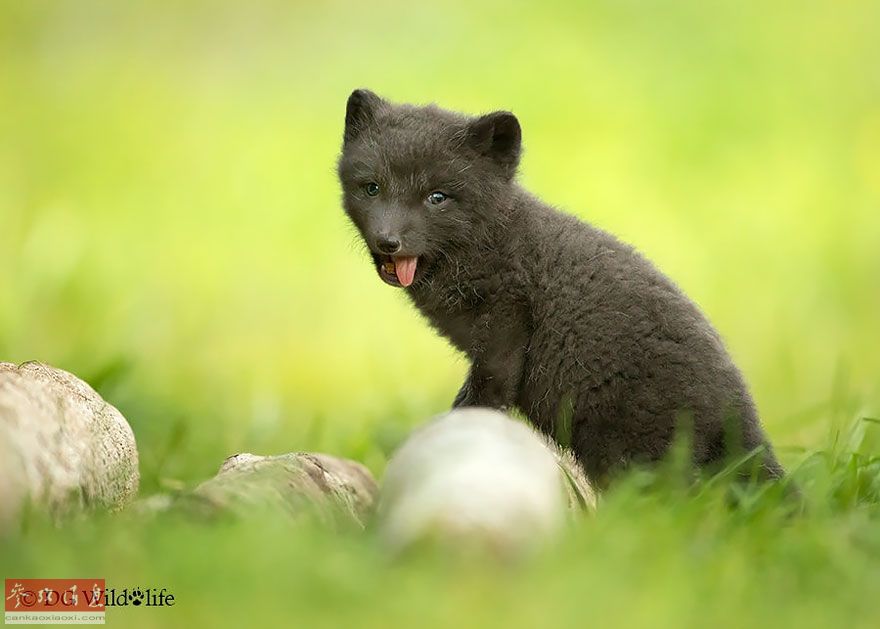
137	597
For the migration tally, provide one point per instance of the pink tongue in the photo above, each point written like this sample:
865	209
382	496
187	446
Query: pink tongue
405	266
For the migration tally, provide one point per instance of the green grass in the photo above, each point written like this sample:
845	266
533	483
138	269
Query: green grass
170	231
656	554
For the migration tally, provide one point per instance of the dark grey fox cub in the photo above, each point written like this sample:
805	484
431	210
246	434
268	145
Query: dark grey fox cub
557	317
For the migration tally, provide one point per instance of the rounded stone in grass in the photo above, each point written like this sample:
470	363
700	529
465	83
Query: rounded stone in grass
477	476
62	447
338	491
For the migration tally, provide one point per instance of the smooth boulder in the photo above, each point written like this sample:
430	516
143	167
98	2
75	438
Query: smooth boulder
477	476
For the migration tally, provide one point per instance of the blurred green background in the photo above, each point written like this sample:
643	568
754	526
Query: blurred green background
170	225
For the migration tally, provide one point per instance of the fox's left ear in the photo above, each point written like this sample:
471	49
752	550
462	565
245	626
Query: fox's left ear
499	137
359	112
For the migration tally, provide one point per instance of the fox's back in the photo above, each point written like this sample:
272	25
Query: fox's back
616	343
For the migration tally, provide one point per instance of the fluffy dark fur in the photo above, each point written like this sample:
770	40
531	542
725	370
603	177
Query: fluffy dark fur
559	319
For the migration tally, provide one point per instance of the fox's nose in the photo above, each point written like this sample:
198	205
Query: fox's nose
388	245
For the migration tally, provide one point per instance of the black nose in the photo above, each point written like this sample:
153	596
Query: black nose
388	245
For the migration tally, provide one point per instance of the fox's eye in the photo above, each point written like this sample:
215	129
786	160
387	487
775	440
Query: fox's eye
372	189
436	198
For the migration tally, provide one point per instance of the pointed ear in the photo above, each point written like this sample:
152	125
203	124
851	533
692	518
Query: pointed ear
359	112
499	137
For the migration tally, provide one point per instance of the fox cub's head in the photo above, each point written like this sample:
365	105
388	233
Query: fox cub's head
421	182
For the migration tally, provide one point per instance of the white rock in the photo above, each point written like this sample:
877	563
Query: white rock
477	475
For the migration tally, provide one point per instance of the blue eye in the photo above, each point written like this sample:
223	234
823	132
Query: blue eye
436	198
372	189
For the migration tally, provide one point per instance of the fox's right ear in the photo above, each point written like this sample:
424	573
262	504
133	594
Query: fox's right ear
359	112
499	137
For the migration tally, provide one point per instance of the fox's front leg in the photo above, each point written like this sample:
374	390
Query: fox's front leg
465	396
484	388
496	371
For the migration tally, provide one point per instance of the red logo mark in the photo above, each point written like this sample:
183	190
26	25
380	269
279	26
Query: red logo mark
58	595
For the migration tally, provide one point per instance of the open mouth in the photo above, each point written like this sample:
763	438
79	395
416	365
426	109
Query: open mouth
396	270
